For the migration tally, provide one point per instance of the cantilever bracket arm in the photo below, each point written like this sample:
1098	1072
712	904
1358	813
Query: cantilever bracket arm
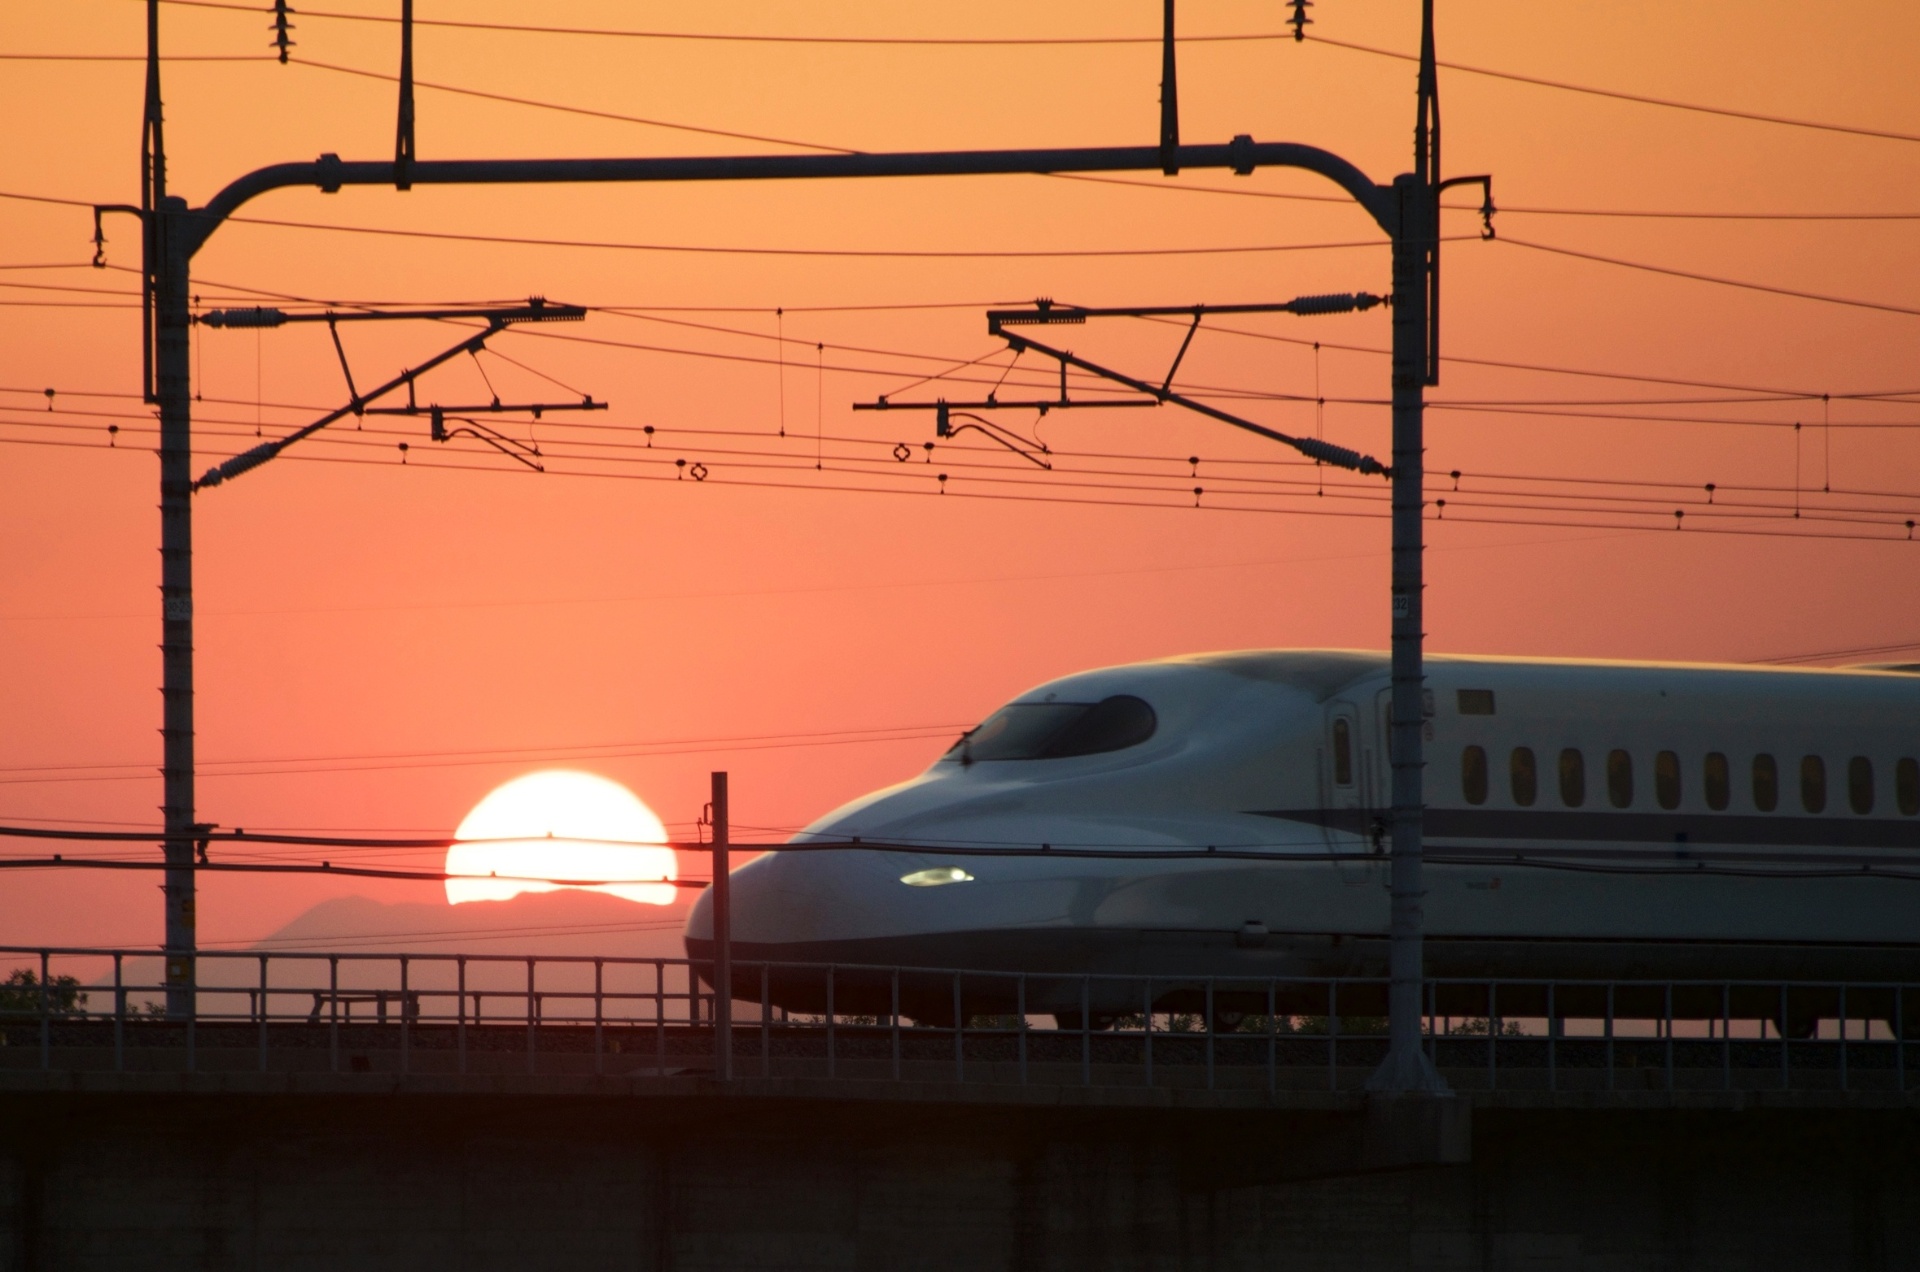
1311	447
250	459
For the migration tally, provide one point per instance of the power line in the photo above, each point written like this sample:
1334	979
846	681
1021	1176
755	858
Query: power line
1016	487
59	862
1861	651
1070	41
1721	500
1173	187
1040	41
588	112
574	749
1505	209
1618	95
1715	279
216	770
134	57
36	419
865	253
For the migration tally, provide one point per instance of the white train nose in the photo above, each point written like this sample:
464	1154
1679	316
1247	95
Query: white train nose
794	905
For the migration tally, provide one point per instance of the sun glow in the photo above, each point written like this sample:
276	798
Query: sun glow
533	827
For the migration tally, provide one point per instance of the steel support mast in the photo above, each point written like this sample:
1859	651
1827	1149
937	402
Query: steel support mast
168	385
1407	1067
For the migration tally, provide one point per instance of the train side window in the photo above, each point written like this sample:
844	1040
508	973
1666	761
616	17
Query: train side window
1526	778
1715	778
1813	784
1342	752
1906	786
1860	784
1473	774
1666	779
1620	778
1573	778
1766	783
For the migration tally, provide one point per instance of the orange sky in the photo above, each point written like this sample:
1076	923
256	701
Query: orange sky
376	611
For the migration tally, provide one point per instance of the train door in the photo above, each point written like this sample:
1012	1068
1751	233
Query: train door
1346	804
1344	801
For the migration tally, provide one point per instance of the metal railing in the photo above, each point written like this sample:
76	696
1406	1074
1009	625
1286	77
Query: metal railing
105	1010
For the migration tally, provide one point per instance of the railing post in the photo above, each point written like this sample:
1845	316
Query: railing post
959	1034
406	1020
659	1017
1086	1031
830	1040
1273	1041
1786	1081
766	1024
119	1016
191	998
1493	1035
1433	1028
333	1013
1333	1035
532	1041
1208	1022
895	1018
1609	1035
1843	1037
722	913
1900	1038
1020	1005
263	1013
1146	1037
1668	1009
599	1017
46	1014
1553	1042
460	983
1726	1037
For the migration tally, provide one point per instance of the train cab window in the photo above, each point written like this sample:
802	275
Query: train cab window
1860	784
1813	784
1766	783
1342	752
1906	786
1473	774
1666	779
1573	778
1058	730
1620	779
1525	777
1714	777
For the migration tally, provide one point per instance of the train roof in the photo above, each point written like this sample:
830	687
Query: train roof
1323	673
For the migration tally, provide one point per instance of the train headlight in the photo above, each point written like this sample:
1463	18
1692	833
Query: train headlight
935	876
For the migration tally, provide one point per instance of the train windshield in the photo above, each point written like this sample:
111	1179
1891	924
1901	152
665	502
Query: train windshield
1057	730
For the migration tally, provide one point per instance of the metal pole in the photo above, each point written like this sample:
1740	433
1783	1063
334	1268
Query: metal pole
722	939
173	392
1407	1067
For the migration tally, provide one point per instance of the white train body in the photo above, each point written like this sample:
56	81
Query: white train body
1649	842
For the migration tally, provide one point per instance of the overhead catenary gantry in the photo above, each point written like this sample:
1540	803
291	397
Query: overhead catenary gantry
1406	209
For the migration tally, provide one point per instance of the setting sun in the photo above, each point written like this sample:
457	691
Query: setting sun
530	835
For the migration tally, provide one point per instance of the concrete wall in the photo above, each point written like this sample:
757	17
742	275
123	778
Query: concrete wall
374	1182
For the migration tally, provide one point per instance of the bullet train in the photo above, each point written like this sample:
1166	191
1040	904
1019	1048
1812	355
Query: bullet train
1584	820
